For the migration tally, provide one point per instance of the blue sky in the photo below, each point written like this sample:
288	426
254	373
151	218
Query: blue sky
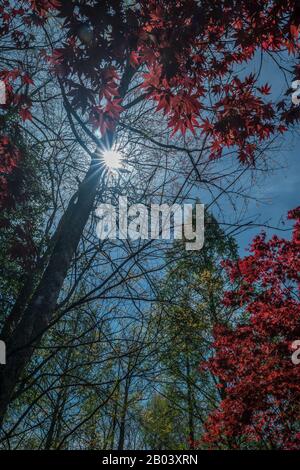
277	194
279	190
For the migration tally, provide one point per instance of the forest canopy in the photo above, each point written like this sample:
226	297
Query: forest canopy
114	343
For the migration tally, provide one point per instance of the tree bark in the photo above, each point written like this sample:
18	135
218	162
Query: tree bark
38	313
39	310
190	403
28	286
124	414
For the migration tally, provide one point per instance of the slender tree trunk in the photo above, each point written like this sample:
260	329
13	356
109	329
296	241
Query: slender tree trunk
54	421
55	424
60	424
123	415
190	403
114	420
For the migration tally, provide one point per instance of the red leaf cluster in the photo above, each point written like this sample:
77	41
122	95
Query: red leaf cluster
260	385
9	158
41	7
188	50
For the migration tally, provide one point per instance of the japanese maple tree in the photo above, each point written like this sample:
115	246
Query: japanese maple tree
187	51
259	383
17	22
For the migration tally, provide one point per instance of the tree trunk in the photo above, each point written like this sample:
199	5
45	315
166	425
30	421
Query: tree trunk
57	415
38	313
124	414
114	419
28	287
190	403
39	310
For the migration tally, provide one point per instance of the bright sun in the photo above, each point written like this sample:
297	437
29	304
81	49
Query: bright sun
112	159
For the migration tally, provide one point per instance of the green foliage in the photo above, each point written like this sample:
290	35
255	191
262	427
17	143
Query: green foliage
162	426
190	306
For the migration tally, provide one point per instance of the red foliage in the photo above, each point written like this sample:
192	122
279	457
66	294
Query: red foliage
16	21
259	383
183	52
188	50
43	6
9	158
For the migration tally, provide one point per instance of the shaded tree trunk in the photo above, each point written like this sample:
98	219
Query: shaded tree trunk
123	415
190	404
114	419
39	310
59	406
38	313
